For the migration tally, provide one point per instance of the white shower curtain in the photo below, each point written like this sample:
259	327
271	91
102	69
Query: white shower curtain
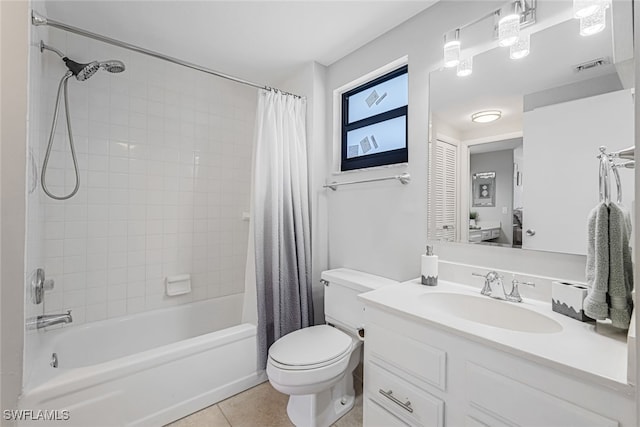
280	216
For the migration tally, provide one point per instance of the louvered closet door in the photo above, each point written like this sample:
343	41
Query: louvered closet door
443	191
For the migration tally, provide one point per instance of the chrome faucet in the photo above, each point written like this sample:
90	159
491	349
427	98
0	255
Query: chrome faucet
45	320
494	287
514	296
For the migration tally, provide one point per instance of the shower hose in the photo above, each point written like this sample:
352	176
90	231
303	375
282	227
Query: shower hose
63	83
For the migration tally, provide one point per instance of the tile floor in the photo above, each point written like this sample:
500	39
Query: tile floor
260	406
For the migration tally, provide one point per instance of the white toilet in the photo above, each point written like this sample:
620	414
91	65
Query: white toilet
314	366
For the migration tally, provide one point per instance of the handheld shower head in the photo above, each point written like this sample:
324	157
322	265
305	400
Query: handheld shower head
82	71
113	66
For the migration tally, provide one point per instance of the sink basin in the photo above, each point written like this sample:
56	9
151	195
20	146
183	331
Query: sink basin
491	312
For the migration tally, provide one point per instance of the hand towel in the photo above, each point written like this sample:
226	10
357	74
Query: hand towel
620	267
595	304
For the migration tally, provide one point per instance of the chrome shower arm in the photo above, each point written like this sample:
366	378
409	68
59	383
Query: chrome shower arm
52	49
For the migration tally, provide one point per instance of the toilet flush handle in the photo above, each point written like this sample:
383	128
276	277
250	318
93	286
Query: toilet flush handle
361	334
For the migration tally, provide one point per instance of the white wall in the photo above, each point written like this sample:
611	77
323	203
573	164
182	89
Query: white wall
14	30
380	227
165	160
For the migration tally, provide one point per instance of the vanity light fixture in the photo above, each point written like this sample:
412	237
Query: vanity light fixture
465	67
509	24
594	23
486	116
520	48
452	48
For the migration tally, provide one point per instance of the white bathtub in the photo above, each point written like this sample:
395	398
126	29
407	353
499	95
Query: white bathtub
146	369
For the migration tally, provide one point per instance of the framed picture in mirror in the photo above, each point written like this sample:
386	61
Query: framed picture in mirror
484	189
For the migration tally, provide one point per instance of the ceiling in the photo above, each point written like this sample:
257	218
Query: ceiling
262	41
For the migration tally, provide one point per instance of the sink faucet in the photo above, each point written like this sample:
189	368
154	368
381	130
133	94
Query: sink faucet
494	287
45	320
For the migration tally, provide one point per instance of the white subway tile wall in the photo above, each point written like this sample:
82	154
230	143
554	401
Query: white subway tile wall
165	169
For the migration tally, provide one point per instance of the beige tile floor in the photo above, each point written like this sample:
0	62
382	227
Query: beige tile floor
260	406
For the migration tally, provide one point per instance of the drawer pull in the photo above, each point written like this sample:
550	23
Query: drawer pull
389	395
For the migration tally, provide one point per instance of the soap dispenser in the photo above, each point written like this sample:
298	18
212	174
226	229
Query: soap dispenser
429	268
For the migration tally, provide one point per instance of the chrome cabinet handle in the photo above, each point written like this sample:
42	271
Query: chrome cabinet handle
389	395
531	232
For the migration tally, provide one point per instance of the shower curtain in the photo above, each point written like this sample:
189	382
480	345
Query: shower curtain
280	215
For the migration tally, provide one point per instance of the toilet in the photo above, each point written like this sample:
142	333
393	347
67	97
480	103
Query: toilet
314	365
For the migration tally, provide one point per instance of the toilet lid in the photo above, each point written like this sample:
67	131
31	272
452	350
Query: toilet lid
310	346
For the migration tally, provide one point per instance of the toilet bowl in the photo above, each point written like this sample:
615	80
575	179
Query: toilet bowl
319	383
315	365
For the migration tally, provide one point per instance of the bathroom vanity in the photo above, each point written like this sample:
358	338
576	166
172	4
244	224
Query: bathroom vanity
448	356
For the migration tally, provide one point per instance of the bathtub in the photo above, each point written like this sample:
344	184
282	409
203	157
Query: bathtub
146	369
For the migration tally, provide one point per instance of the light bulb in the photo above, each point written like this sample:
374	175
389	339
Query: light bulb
593	23
584	8
465	67
509	24
521	48
452	48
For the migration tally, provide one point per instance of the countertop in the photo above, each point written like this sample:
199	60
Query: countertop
578	349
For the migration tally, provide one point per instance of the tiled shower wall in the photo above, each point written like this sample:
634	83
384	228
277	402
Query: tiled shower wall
165	169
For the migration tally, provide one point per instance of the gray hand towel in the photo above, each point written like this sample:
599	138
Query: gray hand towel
620	267
595	304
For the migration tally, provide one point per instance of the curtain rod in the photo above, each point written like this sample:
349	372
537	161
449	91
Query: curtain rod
37	20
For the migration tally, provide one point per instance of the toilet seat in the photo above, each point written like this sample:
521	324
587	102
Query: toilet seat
310	348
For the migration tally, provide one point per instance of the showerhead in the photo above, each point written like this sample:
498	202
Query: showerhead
82	71
113	66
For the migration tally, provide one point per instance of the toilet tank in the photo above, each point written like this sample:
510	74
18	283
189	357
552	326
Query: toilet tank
342	287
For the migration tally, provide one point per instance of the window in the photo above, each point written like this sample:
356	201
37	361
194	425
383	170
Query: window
374	122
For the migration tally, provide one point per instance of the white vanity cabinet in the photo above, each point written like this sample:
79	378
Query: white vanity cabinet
419	374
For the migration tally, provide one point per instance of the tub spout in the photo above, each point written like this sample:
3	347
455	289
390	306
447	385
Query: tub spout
45	320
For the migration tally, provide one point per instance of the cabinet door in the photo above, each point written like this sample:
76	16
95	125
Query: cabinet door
519	404
560	146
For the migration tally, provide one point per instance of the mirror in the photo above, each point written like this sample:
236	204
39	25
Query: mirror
529	179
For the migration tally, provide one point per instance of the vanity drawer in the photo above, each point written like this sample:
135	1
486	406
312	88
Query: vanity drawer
486	234
405	355
495	233
402	398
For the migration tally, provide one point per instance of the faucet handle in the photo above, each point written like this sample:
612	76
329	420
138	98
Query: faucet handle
514	296
488	278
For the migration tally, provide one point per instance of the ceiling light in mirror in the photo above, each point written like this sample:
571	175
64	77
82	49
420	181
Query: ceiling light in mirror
452	48
593	23
509	24
465	67
521	48
487	116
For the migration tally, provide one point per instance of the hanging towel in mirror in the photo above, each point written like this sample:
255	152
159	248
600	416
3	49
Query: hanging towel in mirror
620	267
595	304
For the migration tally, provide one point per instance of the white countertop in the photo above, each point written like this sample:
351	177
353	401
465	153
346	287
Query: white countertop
578	349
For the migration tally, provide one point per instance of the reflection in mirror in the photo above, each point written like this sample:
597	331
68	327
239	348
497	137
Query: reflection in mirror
529	178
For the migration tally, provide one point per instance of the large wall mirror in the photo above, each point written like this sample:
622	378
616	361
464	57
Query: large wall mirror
530	178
